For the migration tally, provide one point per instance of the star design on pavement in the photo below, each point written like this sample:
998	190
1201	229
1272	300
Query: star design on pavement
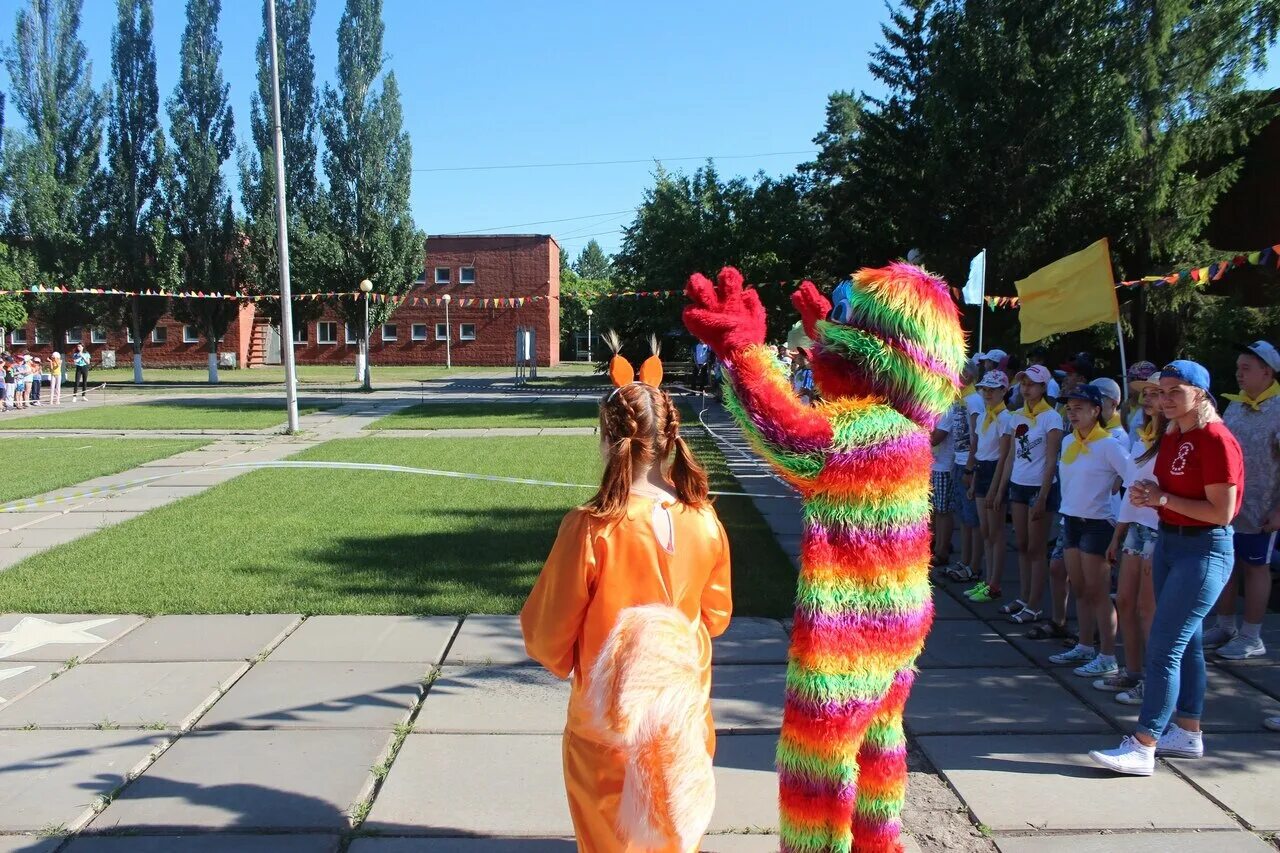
33	632
13	673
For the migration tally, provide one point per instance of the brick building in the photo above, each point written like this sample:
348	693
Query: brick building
467	267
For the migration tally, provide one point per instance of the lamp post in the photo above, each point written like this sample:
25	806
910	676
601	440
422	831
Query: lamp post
366	287
589	313
448	335
282	237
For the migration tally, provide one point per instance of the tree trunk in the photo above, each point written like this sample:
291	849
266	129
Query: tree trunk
137	342
211	336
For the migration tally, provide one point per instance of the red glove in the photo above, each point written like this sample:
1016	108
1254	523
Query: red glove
812	305
727	318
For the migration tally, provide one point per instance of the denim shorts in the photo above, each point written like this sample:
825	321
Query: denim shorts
1090	535
1059	543
983	474
966	507
1140	540
1019	494
1254	548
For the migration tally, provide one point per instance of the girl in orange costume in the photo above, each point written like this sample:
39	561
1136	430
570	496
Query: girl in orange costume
636	586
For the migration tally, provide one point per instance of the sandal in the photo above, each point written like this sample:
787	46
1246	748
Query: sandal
1026	616
960	573
1015	606
1049	631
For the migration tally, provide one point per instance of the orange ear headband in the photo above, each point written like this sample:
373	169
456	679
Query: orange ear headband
622	373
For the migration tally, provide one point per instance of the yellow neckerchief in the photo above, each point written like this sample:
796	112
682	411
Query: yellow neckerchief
992	414
1147	433
1081	444
1029	412
966	391
1115	420
1273	390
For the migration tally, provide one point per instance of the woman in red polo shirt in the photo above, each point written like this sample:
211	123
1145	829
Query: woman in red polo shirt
1200	474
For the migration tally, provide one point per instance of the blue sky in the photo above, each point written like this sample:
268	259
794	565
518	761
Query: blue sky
500	82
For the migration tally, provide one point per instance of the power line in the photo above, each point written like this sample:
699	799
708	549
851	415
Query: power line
581	237
546	221
611	162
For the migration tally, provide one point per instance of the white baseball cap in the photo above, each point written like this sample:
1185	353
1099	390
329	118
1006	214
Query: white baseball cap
1108	387
1036	373
994	379
995	355
1263	350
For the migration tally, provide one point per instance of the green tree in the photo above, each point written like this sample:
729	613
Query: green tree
577	295
138	252
197	201
299	119
52	176
368	229
566	271
592	262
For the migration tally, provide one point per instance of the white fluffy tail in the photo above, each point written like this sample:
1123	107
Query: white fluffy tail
646	694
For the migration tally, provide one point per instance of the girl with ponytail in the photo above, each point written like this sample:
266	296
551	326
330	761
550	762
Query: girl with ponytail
636	586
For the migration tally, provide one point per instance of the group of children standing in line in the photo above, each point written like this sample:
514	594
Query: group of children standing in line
26	375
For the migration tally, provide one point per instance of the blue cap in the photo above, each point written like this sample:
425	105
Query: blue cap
1088	393
1187	371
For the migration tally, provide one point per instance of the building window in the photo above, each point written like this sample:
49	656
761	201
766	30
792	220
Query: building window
300	333
75	335
18	337
160	335
190	334
466	275
351	336
128	334
97	336
442	331
388	331
419	331
467	331
327	332
42	336
442	275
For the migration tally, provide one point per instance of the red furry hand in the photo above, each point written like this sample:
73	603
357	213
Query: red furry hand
726	317
812	305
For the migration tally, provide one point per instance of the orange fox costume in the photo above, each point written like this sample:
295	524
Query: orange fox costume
595	596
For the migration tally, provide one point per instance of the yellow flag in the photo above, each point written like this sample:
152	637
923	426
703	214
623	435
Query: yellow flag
1069	294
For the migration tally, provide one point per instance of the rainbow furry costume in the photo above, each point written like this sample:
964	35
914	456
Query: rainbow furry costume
885	360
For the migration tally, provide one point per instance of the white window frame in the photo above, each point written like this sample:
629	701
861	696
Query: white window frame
394	332
160	335
190	334
447	275
350	334
18	337
300	335
462	275
413	331
462	335
97	336
78	331
442	331
42	336
128	334
326	333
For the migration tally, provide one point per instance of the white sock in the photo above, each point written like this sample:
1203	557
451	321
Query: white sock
1250	630
1227	623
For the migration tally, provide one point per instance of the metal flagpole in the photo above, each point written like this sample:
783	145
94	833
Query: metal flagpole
982	303
282	234
1124	368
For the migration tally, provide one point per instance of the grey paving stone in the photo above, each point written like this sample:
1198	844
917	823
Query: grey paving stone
59	637
1019	782
489	640
1146	842
133	502
204	843
76	520
751	639
299	694
194	638
128	695
13	556
28	844
1231	705
403	639
946	607
17	678
463	845
251	781
39	536
748	698
956	643
52	778
1262	673
746	784
974	701
496	699
11	520
1241	771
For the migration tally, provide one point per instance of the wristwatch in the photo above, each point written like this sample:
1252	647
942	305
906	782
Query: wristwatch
1164	499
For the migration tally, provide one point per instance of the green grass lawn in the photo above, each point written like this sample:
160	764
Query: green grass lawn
313	374
165	415
574	380
487	415
39	465
334	541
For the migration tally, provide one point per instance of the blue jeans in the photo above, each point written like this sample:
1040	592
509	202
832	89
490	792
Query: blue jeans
1188	573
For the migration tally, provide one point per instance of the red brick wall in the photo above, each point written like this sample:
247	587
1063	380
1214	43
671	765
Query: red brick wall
171	353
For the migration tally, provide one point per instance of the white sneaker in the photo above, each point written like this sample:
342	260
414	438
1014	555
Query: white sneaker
1272	723
1130	758
1100	667
1180	743
1078	654
1218	636
1242	648
1132	696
